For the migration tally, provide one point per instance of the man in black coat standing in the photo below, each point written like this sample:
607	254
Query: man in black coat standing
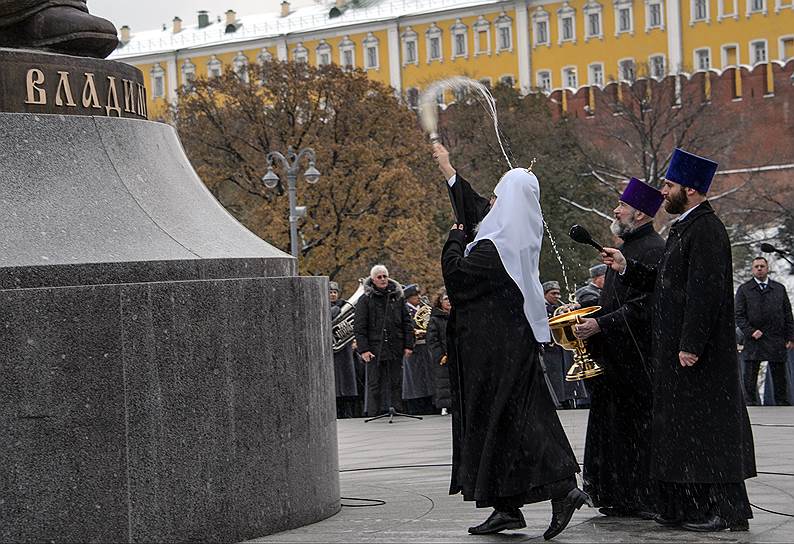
384	335
763	313
702	445
617	450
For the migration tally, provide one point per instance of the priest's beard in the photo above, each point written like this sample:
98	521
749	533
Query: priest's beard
677	202
622	228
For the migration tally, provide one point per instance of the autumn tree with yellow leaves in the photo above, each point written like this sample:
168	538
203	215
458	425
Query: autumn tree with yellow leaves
380	198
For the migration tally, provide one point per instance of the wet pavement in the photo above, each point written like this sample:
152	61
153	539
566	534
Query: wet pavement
405	464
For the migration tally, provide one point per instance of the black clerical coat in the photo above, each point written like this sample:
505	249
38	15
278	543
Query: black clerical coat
618	444
700	432
507	438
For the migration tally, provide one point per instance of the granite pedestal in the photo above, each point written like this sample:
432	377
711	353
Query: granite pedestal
164	374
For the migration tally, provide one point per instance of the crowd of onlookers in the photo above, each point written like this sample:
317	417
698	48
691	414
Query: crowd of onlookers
398	361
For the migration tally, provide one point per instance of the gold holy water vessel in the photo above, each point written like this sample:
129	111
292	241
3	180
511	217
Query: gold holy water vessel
562	325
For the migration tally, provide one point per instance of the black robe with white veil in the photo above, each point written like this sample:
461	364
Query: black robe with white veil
508	442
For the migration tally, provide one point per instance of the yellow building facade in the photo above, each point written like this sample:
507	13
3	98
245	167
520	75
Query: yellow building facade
535	44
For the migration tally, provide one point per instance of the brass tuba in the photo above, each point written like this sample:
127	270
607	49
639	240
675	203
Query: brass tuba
342	325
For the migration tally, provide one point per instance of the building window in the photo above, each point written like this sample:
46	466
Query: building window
566	23
700	10
627	71
240	65
756	6
656	65
323	53
653	15
540	22
596	74
433	37
459	40
504	33
544	81
371	52
786	48
482	36
624	17
507	81
410	55
758	51
592	13
300	53
347	53
440	97
569	77
263	57
702	59
412	96
486	81
188	72
730	55
214	67
158	81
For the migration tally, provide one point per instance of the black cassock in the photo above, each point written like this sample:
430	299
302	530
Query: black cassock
702	443
508	444
618	444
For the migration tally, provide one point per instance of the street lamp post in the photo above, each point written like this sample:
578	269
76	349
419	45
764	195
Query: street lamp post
291	163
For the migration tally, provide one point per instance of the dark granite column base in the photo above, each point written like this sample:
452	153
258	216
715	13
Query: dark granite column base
178	411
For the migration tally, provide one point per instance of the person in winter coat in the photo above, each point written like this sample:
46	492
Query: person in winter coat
384	335
763	313
702	443
437	343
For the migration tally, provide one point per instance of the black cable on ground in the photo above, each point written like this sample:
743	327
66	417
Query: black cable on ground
772	511
373	502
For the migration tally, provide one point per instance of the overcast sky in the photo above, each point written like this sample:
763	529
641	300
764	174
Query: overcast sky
149	14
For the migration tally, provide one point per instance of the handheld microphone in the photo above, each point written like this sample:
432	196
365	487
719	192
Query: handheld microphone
580	235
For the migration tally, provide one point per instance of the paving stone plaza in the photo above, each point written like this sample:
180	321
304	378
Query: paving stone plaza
406	466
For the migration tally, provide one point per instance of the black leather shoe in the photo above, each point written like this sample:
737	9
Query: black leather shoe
499	521
562	510
667	522
715	523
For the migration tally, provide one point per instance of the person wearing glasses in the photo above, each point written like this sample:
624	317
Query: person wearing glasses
384	334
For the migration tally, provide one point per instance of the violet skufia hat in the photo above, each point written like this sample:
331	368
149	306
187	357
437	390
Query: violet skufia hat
641	196
691	171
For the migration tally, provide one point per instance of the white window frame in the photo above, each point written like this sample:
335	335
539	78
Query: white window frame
781	47
620	70
347	46
591	79
323	48
409	36
621	5
368	43
430	34
593	8
648	25
753	43
503	22
651	66
158	80
212	64
721	10
692	9
696	54
540	15
539	80
300	53
264	56
566	12
763	11
565	72
240	66
505	76
724	55
779	5
408	97
482	25
459	29
188	69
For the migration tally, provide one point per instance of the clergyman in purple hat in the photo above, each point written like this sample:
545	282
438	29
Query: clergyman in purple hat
702	444
617	454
